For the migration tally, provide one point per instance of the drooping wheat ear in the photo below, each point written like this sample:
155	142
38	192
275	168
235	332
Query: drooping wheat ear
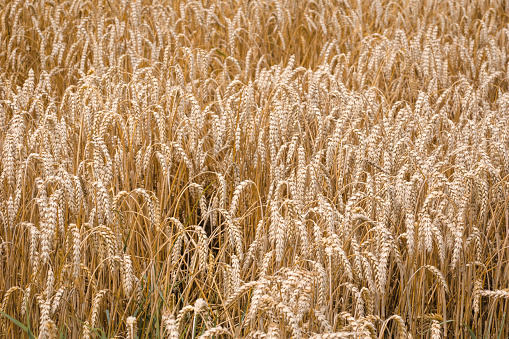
131	328
57	298
183	155
179	237
112	250
181	315
381	269
49	226
235	274
290	317
339	335
368	273
5	300
368	327
402	329
222	190
460	225
236	196
24	302
119	198
50	283
201	308
322	320
322	282
280	227
76	250
253	248
214	216
477	296
439	239
256	299
91	280
151	202
45	308
203	248
346	319
267	258
103	208
239	292
368	301
155	212
410	223
436	332
34	254
474	237
234	234
261	149
197	192
170	325
257	335
139	289
273	331
11	211
127	274
79	196
436	272
335	247
215	331
94	313
495	293
49	330
304	291
274	220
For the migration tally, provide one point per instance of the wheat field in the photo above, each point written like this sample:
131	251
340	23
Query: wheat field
254	169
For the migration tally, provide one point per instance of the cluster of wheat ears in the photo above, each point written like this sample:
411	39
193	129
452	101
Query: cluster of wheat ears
254	169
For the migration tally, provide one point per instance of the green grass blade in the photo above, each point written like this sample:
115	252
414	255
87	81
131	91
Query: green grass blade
501	328
19	324
472	334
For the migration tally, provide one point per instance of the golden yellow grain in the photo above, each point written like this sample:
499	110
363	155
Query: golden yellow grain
263	169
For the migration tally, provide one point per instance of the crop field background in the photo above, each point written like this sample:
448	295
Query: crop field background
254	169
